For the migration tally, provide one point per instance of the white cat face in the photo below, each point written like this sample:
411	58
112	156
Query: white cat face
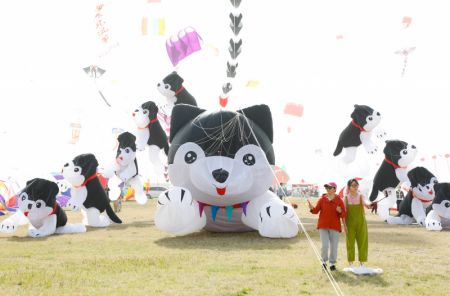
141	117
126	156
426	191
372	120
72	174
221	180
407	155
33	210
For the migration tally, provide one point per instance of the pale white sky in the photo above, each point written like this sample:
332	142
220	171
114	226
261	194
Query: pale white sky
290	47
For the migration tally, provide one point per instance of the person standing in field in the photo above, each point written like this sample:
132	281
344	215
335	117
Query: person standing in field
331	209
356	224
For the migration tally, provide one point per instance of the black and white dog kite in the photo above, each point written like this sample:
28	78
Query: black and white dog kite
392	172
87	192
221	162
359	131
438	213
150	134
419	197
172	88
37	202
125	167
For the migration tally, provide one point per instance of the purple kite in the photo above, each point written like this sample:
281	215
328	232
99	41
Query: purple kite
182	45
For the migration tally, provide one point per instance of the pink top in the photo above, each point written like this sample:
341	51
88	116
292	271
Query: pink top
353	199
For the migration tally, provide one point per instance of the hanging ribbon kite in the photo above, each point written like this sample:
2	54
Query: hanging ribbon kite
405	53
152	24
234	49
179	46
96	72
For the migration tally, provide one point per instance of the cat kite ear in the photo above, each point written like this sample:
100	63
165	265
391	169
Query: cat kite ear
181	115
261	116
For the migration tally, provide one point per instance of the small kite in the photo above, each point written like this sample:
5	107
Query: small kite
179	46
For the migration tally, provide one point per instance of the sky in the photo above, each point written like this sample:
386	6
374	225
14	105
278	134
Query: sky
325	55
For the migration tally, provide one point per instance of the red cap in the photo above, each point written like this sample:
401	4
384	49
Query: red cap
330	184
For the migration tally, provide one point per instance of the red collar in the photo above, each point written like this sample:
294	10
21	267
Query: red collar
396	166
55	208
422	200
179	90
358	126
149	124
87	180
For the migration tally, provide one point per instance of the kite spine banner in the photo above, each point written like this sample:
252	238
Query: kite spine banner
234	49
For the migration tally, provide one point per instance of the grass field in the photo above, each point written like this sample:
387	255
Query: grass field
137	259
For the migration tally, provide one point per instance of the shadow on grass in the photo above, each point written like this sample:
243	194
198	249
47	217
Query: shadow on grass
227	241
16	238
351	279
119	227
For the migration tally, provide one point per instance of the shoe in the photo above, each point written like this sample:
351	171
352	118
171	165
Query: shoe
332	268
324	266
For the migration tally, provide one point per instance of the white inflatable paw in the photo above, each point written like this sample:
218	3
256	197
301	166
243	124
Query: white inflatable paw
421	221
432	224
35	233
278	220
73	205
381	134
372	149
8	226
178	213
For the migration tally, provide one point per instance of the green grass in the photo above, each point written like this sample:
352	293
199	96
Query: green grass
137	259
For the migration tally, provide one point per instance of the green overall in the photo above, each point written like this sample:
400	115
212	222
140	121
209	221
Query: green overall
356	229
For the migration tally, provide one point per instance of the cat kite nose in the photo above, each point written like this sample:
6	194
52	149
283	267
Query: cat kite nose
220	175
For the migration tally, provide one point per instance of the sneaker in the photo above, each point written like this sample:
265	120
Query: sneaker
332	267
324	266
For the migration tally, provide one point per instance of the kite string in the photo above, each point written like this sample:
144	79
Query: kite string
330	277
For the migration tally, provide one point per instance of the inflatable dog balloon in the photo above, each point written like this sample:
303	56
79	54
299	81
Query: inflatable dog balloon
359	131
150	134
125	168
38	207
419	197
88	194
438	213
220	163
171	87
392	172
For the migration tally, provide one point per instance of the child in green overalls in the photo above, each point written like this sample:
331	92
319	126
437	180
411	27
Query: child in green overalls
356	224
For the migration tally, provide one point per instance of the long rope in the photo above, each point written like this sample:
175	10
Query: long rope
330	277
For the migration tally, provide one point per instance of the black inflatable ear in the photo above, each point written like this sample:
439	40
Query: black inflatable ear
181	115
42	189
441	190
127	139
31	181
180	79
53	189
260	115
152	109
88	163
412	176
